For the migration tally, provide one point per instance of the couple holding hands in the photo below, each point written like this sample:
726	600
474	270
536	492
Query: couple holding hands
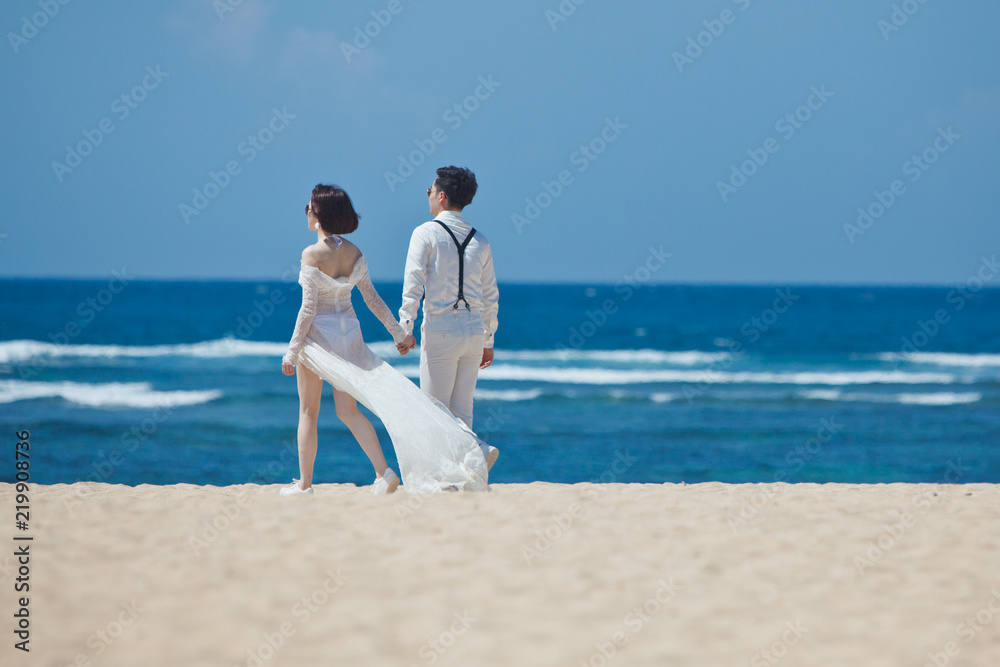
450	266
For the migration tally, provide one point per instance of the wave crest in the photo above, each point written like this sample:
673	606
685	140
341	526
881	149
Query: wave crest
930	398
107	395
666	376
952	359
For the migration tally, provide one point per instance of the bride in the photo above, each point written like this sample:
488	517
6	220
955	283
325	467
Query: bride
436	451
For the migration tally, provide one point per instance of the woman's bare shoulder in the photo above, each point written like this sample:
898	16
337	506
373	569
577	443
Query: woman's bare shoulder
312	255
352	251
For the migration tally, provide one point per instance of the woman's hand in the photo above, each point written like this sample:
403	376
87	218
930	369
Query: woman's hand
287	368
407	344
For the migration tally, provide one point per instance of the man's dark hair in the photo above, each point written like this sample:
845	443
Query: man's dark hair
333	208
458	184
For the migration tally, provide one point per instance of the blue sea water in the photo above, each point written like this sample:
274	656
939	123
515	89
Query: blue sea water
168	382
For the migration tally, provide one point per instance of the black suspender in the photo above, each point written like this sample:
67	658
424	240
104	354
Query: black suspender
461	261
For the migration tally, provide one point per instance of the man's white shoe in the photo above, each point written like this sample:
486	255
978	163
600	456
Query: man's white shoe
385	484
491	453
294	489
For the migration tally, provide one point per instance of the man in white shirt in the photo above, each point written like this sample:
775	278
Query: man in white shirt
450	266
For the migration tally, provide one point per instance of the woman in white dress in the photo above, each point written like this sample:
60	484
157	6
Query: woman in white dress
436	451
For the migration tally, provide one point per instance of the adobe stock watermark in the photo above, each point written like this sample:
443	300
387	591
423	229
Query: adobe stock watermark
76	495
887	539
34	365
899	17
249	149
223	7
957	298
758	325
797	458
581	158
562	522
752	329
632	623
7	570
302	611
915	168
363	35
786	126
631	282
122	106
495	419
778	649
231	510
264	308
432	650
967	630
37	21
892	533
101	640
454	117
562	12
130	441
88	309
261	312
714	28
794	461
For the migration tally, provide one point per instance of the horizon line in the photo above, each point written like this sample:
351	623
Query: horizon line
527	283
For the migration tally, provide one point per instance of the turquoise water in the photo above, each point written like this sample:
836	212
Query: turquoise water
167	382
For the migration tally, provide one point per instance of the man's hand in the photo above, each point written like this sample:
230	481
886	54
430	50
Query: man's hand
487	357
407	344
287	368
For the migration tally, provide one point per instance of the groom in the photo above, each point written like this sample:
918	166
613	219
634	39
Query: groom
450	265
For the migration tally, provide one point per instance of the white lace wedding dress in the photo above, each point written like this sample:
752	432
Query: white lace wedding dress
436	451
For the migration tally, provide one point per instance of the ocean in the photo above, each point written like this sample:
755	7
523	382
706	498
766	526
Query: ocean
130	382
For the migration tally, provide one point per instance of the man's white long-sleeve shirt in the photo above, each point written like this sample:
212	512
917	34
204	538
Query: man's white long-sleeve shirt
432	273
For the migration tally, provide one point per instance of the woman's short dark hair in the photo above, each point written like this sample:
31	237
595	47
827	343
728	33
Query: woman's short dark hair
332	207
458	184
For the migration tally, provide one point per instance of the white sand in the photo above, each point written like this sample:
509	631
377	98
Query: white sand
648	574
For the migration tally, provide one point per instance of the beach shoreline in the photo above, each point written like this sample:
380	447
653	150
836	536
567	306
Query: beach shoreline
540	573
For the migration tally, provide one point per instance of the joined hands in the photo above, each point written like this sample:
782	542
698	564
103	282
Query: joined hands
406	344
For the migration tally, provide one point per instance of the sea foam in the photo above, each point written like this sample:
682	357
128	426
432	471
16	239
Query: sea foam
107	395
926	398
947	359
611	376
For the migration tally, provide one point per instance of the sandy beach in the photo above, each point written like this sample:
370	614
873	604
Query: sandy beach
526	574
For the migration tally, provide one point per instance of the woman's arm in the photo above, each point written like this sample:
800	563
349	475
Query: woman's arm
302	323
377	305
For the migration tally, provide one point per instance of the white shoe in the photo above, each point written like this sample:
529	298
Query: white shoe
492	454
385	484
294	489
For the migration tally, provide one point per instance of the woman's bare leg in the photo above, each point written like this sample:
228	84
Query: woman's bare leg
361	428
310	392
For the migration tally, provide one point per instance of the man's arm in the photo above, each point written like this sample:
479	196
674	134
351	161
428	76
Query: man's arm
414	279
491	299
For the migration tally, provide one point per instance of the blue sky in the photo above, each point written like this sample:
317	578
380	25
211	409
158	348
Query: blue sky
741	137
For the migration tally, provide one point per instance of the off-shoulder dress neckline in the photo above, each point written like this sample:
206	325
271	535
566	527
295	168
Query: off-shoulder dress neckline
357	264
